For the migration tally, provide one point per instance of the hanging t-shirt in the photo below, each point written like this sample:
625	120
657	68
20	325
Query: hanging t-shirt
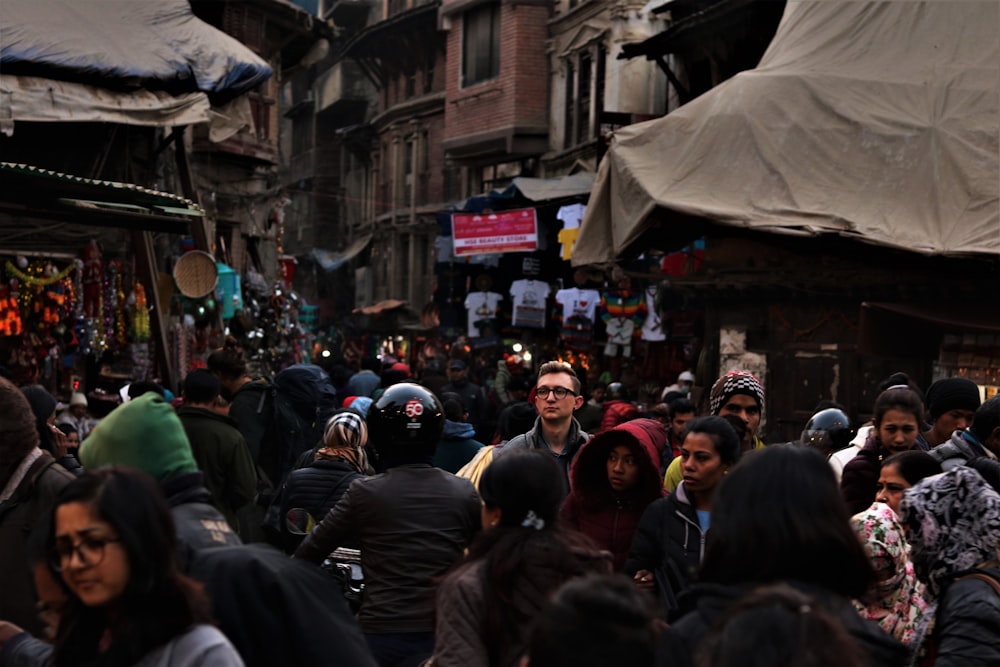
652	328
571	216
529	303
482	307
578	302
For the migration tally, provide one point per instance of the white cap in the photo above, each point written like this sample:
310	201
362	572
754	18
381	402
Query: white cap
686	376
123	393
78	398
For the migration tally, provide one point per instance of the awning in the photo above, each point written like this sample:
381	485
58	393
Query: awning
34	99
380	307
127	45
330	260
874	121
544	189
31	195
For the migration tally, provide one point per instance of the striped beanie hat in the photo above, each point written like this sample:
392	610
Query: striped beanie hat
732	383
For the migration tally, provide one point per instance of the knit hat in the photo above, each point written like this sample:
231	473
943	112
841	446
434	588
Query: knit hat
144	433
731	384
359	404
952	394
78	398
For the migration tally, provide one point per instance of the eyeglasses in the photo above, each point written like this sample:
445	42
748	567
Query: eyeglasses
90	550
559	392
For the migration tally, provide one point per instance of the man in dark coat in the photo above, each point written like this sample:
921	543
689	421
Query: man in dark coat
217	445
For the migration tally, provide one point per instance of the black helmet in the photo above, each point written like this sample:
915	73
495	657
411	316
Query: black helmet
405	422
616	391
828	431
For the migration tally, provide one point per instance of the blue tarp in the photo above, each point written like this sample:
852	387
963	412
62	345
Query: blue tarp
125	44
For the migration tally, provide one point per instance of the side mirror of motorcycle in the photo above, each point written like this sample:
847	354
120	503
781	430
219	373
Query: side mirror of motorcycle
299	521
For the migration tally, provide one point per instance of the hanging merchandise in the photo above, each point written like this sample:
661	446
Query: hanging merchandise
229	290
622	310
10	315
652	328
529	303
579	310
571	216
140	315
39	277
93	269
482	307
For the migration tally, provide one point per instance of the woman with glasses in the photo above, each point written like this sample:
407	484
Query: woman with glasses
113	543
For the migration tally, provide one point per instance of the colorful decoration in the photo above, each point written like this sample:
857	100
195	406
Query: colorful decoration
10	317
38	275
93	269
140	316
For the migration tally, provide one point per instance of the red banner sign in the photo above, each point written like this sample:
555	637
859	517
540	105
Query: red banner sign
488	233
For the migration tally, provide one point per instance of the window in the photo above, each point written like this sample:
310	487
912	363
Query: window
480	44
429	73
408	170
585	73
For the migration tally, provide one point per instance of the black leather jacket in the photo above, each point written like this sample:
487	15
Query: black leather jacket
414	522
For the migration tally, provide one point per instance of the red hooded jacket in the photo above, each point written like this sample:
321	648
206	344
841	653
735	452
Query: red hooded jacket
593	508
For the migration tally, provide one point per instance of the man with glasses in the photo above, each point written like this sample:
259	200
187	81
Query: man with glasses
557	396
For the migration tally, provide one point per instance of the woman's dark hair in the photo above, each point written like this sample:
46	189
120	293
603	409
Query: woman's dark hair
914	465
159	603
779	516
43	406
228	361
902	399
722	433
519	482
595	621
799	632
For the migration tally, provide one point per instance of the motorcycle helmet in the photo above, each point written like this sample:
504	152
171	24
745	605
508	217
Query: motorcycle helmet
405	424
827	431
616	391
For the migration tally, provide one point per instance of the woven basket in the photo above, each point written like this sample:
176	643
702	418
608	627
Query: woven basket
195	274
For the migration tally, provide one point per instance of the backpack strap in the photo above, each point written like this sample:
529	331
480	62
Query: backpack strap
982	576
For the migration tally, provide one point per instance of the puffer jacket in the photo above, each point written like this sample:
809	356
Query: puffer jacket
670	543
317	489
959	450
461	607
414	522
593	507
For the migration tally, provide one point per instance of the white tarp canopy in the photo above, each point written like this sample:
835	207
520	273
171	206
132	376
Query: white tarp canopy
874	120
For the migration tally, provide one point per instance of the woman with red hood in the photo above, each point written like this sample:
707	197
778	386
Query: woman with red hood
614	477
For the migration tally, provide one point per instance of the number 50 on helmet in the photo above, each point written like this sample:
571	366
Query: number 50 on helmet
405	424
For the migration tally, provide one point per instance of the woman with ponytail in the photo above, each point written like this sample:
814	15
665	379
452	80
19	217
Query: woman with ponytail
487	606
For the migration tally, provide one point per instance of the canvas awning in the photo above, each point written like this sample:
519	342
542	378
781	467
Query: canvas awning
330	260
877	121
545	189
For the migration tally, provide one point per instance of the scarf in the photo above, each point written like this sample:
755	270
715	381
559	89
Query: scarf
897	604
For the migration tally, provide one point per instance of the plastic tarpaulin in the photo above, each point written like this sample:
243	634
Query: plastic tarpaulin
125	44
874	120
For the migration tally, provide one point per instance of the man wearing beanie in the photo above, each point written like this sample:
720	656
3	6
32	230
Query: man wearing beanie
951	402
146	434
30	480
980	440
737	393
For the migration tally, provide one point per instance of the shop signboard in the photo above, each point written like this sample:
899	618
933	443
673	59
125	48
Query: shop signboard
488	233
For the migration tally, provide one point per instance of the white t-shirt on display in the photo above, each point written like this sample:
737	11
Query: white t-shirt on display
580	302
529	303
481	306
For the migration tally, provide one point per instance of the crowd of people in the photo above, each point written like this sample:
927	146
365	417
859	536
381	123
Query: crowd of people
532	522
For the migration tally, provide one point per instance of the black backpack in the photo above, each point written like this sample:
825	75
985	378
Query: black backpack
299	400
